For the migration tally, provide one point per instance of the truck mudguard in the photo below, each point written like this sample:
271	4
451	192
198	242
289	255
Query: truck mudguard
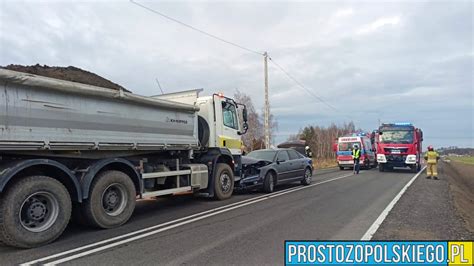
9	170
119	164
211	158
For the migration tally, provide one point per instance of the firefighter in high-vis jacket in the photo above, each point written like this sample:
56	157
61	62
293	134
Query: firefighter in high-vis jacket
431	158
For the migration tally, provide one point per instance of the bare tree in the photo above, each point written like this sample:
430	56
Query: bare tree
321	139
254	139
273	126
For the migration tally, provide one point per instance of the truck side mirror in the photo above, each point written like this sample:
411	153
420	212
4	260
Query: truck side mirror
245	127
244	114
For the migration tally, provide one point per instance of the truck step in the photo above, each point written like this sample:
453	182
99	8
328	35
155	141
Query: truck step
167	192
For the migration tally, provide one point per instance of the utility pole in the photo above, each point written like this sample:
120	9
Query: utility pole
267	104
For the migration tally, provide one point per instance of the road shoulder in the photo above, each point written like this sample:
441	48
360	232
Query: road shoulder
428	210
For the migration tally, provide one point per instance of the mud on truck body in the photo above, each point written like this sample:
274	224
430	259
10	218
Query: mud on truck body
70	149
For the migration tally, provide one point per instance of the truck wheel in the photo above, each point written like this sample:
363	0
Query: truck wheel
366	165
381	168
269	182
341	167
33	212
111	201
203	131
414	168
223	181
308	176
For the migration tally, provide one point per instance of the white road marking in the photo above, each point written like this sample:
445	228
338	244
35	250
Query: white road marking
375	226
144	230
181	222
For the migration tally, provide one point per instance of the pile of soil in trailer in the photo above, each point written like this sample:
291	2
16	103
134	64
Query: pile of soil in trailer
69	73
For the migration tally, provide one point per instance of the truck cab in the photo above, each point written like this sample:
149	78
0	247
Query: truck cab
221	122
399	145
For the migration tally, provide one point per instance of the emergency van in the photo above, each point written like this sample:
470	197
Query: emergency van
343	148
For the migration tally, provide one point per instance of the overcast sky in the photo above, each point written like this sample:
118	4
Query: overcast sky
400	61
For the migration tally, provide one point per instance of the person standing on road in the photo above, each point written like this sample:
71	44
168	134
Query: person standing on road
431	158
356	158
308	152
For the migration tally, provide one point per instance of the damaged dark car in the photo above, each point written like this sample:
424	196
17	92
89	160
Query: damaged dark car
270	167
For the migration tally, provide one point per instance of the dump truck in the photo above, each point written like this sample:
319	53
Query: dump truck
399	145
71	149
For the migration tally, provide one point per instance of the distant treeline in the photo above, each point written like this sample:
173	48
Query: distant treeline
321	139
456	150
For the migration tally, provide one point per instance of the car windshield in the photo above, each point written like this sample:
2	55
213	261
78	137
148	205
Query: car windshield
347	146
396	136
262	155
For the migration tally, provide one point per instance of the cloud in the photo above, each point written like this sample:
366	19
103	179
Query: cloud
387	61
344	12
378	24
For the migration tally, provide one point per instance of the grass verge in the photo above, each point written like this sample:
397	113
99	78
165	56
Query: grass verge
463	159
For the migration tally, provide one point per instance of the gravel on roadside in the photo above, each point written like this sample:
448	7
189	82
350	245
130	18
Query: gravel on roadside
425	212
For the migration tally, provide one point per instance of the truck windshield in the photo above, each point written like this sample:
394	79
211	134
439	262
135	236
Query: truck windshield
230	115
396	136
347	146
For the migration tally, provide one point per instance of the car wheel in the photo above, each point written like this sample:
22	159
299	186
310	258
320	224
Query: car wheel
269	182
308	176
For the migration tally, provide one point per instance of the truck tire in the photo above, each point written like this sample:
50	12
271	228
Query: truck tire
366	165
308	174
111	200
341	167
269	182
223	182
414	168
34	211
381	168
203	131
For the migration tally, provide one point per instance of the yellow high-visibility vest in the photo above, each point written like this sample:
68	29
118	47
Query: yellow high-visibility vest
356	154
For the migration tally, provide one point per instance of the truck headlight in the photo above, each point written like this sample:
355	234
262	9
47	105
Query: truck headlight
411	159
381	158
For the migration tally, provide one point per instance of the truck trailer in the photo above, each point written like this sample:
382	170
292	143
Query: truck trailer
70	148
399	145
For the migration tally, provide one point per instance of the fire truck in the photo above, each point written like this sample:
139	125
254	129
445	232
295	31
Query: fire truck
399	145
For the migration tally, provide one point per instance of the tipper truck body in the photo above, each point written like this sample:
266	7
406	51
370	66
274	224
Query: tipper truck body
399	145
68	148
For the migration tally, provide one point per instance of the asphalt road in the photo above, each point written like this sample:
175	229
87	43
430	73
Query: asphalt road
248	229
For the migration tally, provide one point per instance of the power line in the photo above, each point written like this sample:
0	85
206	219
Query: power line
301	85
241	47
319	98
196	29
